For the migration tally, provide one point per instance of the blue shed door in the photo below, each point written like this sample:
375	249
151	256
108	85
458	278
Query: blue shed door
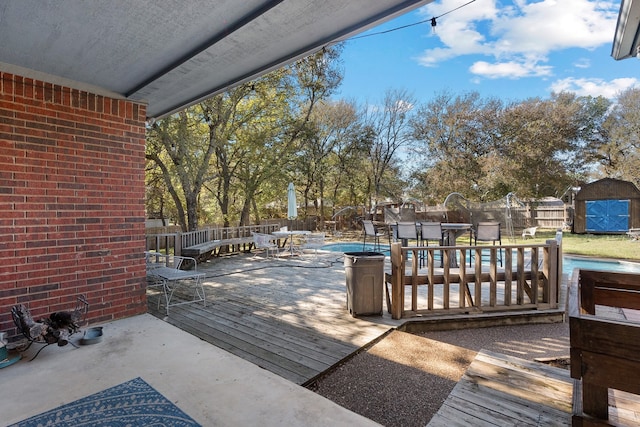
607	215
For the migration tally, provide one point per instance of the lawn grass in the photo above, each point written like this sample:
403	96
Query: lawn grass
603	246
616	246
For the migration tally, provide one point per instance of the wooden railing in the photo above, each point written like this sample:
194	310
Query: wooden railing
450	286
175	242
169	243
231	234
605	352
192	238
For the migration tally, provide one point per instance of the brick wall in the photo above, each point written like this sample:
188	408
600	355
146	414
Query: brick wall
71	201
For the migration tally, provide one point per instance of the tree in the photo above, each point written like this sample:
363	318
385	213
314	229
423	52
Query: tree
265	146
199	147
176	147
327	137
157	203
387	131
255	118
539	142
348	162
309	81
457	135
619	156
592	117
236	141
485	150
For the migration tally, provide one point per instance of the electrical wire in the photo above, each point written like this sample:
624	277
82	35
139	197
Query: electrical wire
432	20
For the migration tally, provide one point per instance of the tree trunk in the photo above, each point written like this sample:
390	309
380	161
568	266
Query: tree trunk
192	211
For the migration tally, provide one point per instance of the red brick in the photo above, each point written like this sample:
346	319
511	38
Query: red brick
67	158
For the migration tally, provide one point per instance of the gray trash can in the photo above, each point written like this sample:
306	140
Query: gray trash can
365	282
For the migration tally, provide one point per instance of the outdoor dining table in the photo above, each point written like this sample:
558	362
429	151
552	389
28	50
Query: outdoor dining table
452	231
288	234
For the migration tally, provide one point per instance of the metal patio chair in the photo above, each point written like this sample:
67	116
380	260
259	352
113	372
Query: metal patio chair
371	231
313	241
488	232
407	231
267	242
430	232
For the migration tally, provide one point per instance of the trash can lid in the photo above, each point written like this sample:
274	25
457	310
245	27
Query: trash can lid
363	254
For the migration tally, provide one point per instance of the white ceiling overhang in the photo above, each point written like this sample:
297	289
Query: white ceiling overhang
626	39
174	53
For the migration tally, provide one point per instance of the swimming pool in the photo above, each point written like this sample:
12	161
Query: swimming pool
354	247
569	262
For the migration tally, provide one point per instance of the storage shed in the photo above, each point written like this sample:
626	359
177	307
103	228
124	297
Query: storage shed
607	206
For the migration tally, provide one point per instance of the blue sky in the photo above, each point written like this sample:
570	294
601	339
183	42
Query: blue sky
512	50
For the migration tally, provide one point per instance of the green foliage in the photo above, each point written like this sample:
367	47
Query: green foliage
228	159
326	153
229	154
619	155
484	149
454	142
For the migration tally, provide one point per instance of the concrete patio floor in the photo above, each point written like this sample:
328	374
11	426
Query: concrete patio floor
211	385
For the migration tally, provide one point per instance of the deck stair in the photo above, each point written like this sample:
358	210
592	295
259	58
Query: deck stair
498	389
502	390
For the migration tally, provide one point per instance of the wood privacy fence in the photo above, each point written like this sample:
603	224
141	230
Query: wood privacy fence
605	352
555	217
529	279
543	216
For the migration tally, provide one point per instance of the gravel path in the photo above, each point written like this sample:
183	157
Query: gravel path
403	379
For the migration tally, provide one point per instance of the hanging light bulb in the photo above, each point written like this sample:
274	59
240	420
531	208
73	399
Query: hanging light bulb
638	51
433	25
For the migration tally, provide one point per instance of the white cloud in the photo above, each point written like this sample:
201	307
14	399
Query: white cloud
518	36
510	70
435	56
594	87
582	63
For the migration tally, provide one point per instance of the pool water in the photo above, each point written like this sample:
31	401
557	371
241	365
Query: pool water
569	263
355	247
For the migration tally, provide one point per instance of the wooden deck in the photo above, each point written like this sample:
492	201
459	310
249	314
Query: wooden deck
501	390
288	316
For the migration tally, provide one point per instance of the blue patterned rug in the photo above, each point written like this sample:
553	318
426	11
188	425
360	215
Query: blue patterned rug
134	403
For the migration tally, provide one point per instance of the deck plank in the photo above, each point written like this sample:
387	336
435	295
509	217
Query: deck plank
288	316
503	390
285	343
499	390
